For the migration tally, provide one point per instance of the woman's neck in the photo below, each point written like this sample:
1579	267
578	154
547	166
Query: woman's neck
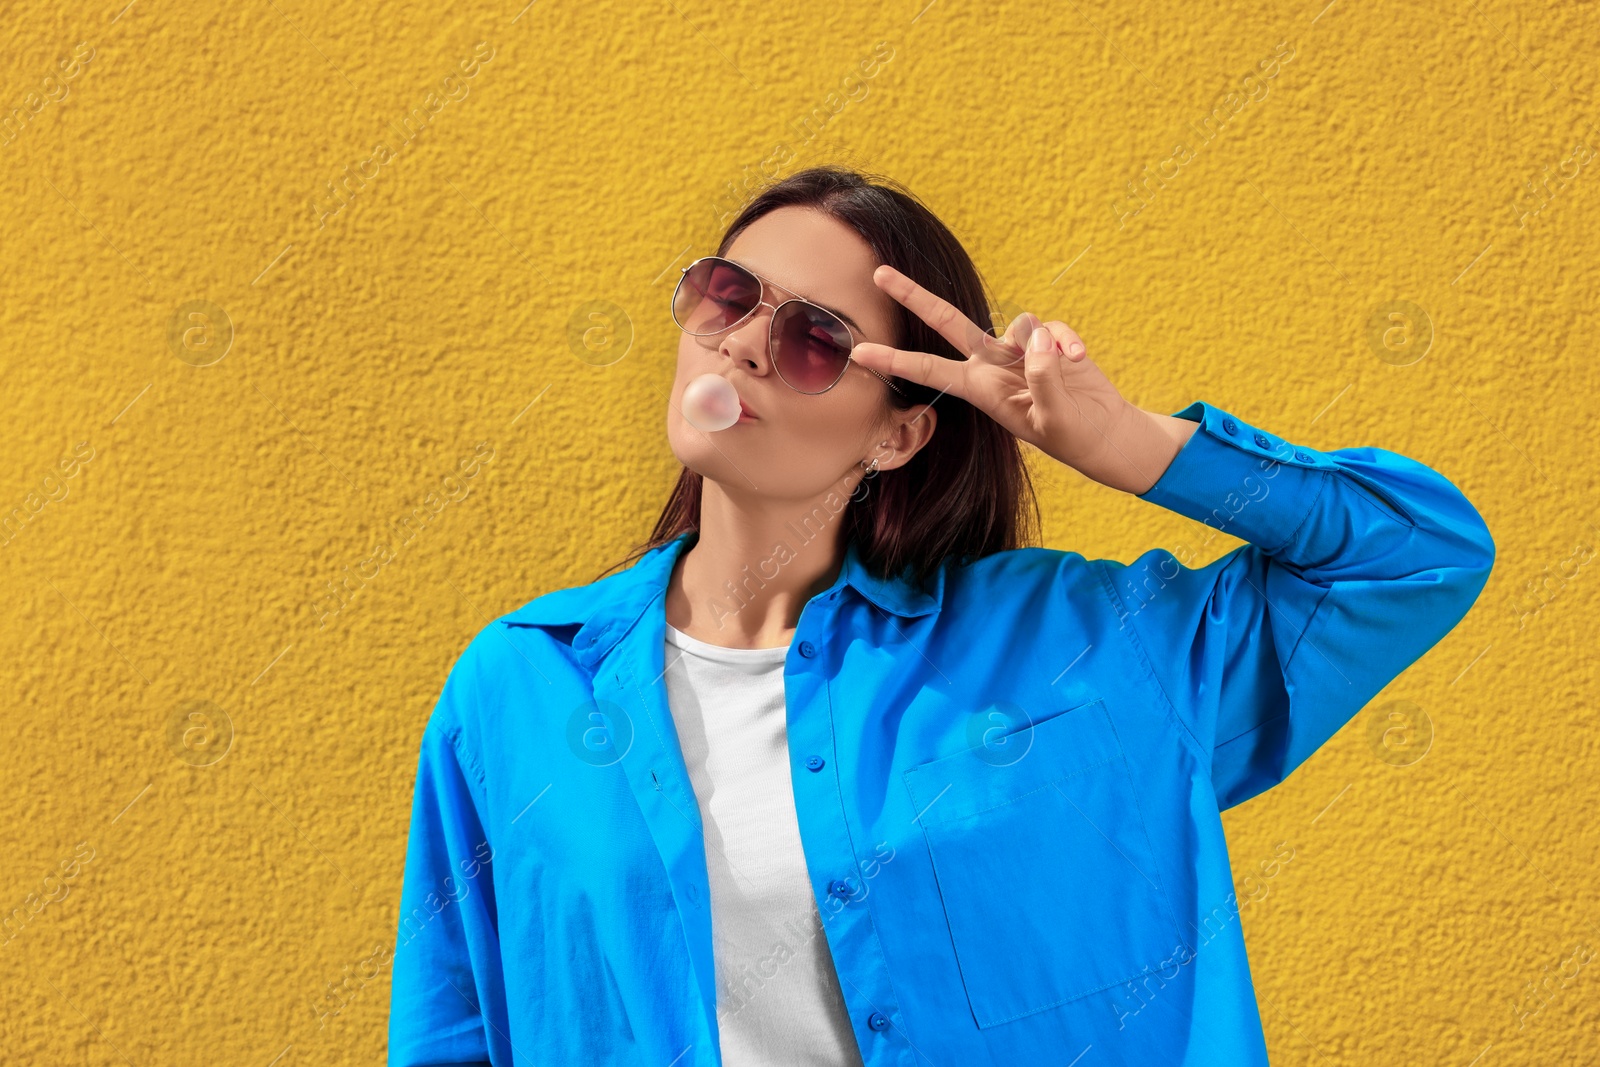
746	578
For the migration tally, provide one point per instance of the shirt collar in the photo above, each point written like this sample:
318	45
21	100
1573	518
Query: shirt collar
605	609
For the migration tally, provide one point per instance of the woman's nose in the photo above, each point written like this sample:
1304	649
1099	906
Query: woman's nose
747	343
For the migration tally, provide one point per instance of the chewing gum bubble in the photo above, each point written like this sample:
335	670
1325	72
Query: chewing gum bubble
710	402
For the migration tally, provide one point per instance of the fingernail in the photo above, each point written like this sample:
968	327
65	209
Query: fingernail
1040	340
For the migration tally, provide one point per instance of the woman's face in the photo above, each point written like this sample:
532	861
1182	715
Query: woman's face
798	445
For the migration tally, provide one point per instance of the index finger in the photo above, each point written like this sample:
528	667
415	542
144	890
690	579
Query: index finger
946	319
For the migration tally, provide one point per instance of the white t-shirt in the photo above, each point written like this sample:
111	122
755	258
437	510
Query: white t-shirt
778	997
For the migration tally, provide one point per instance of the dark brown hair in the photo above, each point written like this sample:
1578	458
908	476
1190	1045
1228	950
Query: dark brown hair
966	494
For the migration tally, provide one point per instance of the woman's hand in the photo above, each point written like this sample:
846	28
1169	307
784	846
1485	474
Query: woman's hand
1038	382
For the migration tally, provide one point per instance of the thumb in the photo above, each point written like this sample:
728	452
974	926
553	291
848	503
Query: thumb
1042	368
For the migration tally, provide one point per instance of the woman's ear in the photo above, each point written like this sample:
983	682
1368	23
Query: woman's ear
909	432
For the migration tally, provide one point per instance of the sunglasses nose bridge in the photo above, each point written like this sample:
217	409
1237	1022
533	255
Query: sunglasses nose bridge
765	345
772	344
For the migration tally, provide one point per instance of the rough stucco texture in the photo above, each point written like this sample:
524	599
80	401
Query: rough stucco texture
224	383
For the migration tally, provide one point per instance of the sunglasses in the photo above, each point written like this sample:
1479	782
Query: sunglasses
808	344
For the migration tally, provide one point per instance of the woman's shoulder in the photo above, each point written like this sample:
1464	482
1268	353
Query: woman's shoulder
1023	580
518	649
561	613
1026	565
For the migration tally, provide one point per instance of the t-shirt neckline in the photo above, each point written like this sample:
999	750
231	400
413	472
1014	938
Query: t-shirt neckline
722	654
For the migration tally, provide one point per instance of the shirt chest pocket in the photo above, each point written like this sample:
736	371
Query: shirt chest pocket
1044	866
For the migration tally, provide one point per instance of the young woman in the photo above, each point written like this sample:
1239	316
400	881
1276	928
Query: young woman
839	770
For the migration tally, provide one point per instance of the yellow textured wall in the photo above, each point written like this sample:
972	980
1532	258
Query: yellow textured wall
249	381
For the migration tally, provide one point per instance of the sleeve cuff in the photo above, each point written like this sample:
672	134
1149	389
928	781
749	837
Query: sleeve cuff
1241	480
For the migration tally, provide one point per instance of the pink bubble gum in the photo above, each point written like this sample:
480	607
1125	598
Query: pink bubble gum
710	402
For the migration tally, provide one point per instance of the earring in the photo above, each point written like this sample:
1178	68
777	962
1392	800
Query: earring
874	465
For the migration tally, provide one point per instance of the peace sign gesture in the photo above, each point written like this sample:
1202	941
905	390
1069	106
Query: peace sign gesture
1038	382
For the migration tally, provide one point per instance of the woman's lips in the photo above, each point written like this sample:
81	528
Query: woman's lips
745	412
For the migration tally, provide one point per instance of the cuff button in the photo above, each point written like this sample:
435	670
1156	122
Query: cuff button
1261	439
1230	427
1301	456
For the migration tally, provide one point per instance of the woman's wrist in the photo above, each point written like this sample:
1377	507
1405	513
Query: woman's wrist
1139	449
1174	434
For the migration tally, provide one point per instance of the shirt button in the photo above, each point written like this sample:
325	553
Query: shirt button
814	763
1301	456
1261	439
878	1021
1230	426
839	888
807	649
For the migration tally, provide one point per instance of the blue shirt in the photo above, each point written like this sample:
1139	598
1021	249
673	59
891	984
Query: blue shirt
1008	784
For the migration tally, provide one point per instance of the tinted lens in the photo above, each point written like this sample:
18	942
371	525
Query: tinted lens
712	295
813	346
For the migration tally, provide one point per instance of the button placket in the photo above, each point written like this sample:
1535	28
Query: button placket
830	850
